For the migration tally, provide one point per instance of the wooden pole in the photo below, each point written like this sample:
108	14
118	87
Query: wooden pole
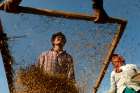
113	45
56	13
62	14
7	58
68	15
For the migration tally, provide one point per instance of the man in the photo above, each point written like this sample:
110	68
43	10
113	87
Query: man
57	61
121	76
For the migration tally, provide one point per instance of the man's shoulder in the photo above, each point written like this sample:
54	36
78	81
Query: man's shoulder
45	53
68	54
127	66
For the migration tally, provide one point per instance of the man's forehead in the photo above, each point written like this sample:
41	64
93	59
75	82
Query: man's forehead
115	57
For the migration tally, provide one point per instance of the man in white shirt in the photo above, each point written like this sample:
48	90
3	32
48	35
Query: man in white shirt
121	76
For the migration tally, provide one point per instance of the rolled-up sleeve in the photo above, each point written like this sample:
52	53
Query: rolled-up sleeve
137	69
132	69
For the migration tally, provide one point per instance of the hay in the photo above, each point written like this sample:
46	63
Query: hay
33	80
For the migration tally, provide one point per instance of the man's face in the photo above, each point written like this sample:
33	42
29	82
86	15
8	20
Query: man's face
58	41
117	61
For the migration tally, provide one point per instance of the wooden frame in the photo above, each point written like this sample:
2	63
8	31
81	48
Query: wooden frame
7	58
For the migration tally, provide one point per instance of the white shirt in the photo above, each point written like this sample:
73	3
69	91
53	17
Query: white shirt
119	81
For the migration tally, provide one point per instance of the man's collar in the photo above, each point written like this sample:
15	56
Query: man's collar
60	52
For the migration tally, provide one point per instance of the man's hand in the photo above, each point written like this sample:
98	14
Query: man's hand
101	16
12	6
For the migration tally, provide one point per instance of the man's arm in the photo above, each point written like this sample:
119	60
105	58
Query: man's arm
40	61
112	84
98	4
71	74
1	6
133	68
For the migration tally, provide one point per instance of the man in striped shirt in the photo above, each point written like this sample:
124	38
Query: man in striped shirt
56	60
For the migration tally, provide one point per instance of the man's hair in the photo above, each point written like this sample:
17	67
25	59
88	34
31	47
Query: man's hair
117	55
58	34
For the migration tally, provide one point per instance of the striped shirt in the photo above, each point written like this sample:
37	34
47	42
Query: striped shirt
57	63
